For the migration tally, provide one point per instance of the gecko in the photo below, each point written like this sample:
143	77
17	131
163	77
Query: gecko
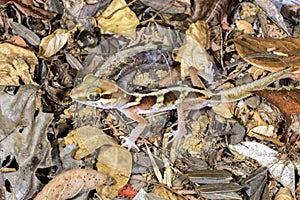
106	94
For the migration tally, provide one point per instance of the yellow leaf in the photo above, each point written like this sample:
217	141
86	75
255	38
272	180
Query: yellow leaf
116	162
17	64
88	139
123	22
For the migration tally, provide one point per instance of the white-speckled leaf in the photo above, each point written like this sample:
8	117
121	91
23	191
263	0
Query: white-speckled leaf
282	170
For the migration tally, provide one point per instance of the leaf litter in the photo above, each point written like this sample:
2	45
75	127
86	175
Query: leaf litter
51	149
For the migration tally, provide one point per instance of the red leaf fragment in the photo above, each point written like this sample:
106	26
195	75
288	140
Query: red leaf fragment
128	191
287	101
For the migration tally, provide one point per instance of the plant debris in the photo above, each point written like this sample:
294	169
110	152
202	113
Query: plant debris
206	92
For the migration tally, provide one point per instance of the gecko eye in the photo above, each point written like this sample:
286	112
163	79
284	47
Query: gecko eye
94	96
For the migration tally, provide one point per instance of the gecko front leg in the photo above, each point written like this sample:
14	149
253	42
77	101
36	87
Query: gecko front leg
136	132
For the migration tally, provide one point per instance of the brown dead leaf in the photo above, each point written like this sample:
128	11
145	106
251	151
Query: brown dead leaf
268	53
211	11
28	8
287	101
72	182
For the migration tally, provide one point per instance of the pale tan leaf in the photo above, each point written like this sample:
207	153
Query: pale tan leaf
123	22
193	54
17	65
244	26
71	183
88	139
284	194
53	43
116	162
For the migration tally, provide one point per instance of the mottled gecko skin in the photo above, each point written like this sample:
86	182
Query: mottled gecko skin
106	94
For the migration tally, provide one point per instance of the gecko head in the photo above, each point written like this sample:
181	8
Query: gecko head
94	91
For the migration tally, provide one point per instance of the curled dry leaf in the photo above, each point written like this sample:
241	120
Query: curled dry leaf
28	8
122	22
17	65
268	53
287	101
72	182
53	43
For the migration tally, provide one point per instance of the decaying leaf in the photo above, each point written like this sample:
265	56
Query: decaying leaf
122	22
23	133
282	170
287	101
17	65
72	182
53	43
25	33
268	53
116	162
29	8
88	139
273	12
193	54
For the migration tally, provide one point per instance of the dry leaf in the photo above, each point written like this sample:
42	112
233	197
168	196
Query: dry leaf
23	133
273	12
199	32
211	11
28	8
25	33
51	44
123	22
71	183
287	101
88	139
284	194
282	170
193	54
269	54
116	162
17	65
244	26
